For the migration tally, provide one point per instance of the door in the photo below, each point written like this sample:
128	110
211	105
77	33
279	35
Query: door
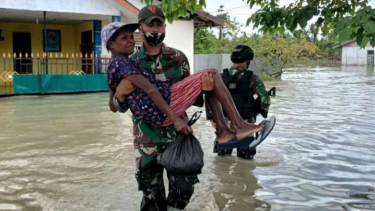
370	57
22	45
87	48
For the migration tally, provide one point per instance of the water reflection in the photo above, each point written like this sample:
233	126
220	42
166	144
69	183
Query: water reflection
70	153
330	153
237	184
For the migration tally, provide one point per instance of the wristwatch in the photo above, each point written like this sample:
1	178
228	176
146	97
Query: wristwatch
120	107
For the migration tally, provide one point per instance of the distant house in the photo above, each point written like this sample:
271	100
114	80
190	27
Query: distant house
352	54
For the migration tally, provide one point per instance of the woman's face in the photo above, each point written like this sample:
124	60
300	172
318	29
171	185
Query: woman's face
124	44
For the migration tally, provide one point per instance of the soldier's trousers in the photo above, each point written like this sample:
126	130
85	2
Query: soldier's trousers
150	181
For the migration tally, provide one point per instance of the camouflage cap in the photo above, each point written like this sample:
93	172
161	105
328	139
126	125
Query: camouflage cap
149	13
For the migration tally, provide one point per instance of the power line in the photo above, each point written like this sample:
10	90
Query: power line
227	10
241	14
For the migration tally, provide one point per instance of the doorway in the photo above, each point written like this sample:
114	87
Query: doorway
22	45
87	48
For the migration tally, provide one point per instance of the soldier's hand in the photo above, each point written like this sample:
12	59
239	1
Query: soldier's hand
207	82
181	126
112	106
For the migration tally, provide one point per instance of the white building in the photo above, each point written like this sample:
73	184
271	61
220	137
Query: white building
352	54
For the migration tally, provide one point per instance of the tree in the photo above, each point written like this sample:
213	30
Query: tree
229	31
298	34
279	52
205	42
326	44
173	9
350	19
223	30
313	32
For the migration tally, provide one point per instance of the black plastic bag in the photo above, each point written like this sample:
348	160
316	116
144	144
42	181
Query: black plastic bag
185	155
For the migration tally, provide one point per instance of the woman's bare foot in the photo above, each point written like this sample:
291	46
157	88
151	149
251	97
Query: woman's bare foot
225	137
247	130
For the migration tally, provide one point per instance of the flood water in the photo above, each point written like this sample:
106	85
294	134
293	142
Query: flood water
68	152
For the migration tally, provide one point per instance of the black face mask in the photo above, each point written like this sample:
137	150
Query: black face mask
153	39
240	61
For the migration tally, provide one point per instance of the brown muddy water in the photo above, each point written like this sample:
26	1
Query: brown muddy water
70	153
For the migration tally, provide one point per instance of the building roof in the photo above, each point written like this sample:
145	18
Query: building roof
205	19
130	6
201	18
343	44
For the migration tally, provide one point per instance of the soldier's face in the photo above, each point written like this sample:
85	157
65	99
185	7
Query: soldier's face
155	26
240	66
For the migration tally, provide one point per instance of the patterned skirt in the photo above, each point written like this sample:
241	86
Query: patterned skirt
185	92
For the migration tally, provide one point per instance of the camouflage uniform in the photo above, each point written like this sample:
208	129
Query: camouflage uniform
150	142
258	87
